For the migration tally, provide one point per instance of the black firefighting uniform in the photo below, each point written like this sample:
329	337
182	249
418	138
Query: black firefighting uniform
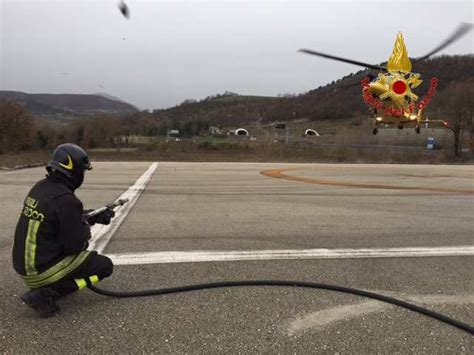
51	240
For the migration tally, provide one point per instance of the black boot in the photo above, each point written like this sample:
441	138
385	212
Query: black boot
42	301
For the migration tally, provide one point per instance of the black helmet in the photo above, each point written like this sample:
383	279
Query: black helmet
71	161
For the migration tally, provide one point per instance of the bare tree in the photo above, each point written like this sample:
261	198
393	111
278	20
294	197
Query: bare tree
16	127
457	102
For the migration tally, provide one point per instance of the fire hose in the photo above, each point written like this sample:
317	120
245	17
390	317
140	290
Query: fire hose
279	283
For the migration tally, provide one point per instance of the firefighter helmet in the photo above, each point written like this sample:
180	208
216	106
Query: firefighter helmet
70	160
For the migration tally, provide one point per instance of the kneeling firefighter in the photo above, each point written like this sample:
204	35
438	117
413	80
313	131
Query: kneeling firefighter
51	238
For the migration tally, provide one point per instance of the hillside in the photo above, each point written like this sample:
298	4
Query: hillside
68	106
224	109
340	99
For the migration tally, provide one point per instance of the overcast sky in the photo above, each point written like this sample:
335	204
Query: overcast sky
169	51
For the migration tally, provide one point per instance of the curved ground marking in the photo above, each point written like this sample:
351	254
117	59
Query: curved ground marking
278	174
320	319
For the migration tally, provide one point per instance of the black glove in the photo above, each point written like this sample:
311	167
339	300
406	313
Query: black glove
87	232
102	218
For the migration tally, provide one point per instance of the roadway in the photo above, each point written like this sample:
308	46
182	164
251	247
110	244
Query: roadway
228	209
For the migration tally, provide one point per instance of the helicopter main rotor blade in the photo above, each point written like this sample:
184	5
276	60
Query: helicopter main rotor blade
358	82
460	31
340	59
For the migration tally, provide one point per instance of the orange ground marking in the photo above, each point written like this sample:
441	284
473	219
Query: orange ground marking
278	174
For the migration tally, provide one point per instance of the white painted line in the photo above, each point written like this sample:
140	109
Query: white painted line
206	256
101	234
320	319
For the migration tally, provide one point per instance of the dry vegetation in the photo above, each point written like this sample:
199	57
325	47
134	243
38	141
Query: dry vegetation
336	111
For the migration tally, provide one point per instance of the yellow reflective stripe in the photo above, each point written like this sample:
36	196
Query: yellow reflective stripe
56	272
81	283
30	247
94	279
64	263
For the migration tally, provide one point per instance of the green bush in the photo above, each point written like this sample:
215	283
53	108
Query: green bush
209	145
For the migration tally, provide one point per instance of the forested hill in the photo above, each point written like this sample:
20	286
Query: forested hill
68	106
339	99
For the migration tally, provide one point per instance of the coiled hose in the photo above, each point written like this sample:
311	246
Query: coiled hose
163	291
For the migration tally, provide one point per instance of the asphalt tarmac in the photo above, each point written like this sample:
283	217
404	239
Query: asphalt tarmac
228	207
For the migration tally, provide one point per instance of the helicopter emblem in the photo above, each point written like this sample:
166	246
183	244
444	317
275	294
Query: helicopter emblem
390	94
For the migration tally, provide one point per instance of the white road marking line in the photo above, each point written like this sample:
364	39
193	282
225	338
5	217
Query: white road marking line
320	319
206	256
101	234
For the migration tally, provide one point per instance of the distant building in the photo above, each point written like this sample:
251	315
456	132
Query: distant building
310	133
215	131
173	133
241	132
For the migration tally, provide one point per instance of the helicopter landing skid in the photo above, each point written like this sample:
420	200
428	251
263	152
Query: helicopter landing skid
375	131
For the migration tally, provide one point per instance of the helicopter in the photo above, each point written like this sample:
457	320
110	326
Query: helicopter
389	94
